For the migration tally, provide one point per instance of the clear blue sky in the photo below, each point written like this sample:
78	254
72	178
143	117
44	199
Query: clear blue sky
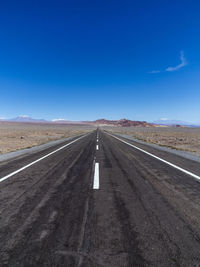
83	60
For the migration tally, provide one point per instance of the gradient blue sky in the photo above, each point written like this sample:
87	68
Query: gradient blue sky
83	60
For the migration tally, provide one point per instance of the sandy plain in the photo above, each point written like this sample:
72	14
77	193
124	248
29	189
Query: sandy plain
16	136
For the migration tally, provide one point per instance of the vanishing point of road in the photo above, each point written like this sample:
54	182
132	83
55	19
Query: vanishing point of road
100	200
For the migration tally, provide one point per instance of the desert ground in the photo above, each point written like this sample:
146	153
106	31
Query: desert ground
16	136
180	138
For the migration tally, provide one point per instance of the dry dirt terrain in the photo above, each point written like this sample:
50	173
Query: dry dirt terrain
187	139
15	136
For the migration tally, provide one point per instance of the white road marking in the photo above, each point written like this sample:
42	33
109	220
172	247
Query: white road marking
97	147
30	164
97	140
154	156
96	176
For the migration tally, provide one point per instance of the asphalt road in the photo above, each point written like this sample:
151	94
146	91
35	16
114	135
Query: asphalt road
101	203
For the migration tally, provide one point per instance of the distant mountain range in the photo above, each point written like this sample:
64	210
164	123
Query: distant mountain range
104	122
174	123
122	122
25	118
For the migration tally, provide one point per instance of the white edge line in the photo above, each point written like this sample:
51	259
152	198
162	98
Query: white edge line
165	161
96	176
30	164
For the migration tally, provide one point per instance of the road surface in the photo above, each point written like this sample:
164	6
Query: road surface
97	201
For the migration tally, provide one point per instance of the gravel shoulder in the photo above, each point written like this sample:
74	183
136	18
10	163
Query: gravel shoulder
180	153
28	151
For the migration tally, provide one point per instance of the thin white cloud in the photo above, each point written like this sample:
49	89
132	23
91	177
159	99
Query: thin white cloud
170	69
24	116
154	71
181	65
59	120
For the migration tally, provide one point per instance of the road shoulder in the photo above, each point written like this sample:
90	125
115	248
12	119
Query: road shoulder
177	152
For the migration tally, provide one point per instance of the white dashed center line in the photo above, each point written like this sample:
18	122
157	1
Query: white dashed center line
96	176
97	147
